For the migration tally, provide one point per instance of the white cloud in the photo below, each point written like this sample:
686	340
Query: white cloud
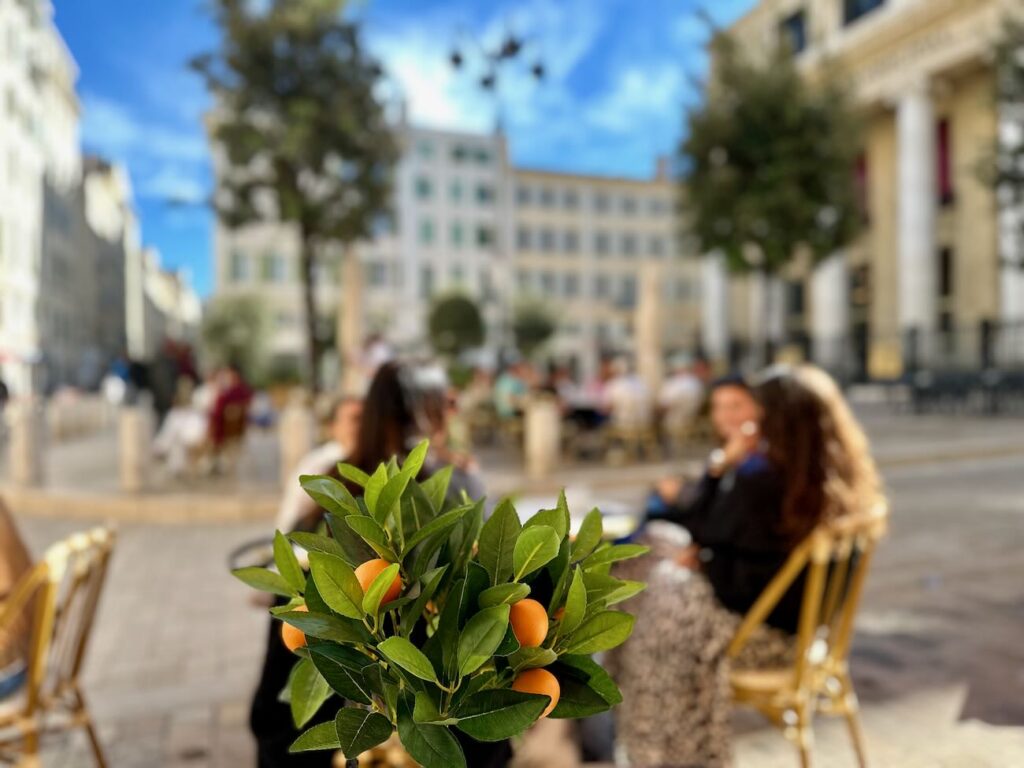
170	183
638	95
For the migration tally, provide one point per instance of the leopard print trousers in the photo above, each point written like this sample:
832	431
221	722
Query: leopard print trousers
673	672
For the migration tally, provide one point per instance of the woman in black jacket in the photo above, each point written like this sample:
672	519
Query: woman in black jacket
802	461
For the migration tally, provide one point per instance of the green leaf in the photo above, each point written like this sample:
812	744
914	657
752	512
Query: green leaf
374	487
615	553
535	548
586	689
509	644
337	584
320	736
414	461
603	590
557	519
265	581
372	534
314	542
558	572
531	658
589	535
625	591
436	486
481	637
330	494
391	496
410	658
432	746
464	537
327	627
342	668
359	730
357	551
500	714
381	584
428	586
435	526
425	711
309	691
353	474
601	632
312	598
503	593
287	564
498	542
575	605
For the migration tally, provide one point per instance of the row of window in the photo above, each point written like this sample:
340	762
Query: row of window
425	189
459	153
627	244
620	289
600	202
793	28
459	234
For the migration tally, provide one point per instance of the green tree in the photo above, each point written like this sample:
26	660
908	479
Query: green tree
234	332
304	139
455	325
768	163
532	326
1006	171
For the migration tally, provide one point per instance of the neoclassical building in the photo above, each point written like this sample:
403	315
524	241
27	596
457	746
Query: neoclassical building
931	276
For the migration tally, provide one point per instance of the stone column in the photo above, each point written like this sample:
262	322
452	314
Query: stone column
917	205
350	321
542	436
135	440
27	423
830	311
296	435
715	309
648	324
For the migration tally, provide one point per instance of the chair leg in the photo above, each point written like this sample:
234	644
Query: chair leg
803	736
90	730
851	713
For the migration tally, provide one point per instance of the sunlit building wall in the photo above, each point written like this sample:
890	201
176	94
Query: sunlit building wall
928	263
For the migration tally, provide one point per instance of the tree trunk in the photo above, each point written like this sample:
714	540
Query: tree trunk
349	336
309	306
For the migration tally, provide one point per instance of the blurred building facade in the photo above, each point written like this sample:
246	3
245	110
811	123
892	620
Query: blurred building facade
72	274
928	281
466	221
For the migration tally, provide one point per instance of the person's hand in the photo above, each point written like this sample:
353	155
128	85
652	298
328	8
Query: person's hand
669	489
688	558
740	444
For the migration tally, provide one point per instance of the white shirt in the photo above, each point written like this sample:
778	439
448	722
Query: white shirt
295	502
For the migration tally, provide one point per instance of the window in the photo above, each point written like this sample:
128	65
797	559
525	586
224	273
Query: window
602	243
272	268
547	240
484	237
547	283
482	156
795	300
862	186
601	203
523	280
571	284
627	292
854	9
571	241
571	200
239	266
458	275
547	197
601	286
656	246
523	196
684	289
426	232
629	206
456	234
945	273
426	281
629	246
459	153
484	194
523	239
944	172
378	277
455	191
423	188
425	150
657	206
793	31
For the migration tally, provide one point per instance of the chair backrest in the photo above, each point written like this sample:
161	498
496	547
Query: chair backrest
835	558
62	592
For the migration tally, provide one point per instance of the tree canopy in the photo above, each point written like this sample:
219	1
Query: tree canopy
455	325
299	133
533	325
234	332
769	162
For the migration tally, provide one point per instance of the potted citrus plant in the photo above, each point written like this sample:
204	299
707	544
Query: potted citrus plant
417	616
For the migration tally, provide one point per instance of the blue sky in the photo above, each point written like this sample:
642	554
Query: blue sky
620	72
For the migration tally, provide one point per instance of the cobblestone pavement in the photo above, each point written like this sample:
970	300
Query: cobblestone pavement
938	658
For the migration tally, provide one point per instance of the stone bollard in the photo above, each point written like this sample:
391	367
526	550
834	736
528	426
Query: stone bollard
297	435
27	421
542	436
135	438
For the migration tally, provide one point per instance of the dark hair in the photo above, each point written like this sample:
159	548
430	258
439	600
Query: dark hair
731	380
388	420
815	443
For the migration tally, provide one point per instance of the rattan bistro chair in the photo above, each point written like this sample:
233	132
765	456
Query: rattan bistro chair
836	558
61	594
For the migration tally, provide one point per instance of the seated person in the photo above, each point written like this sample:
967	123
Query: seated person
804	463
15	630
